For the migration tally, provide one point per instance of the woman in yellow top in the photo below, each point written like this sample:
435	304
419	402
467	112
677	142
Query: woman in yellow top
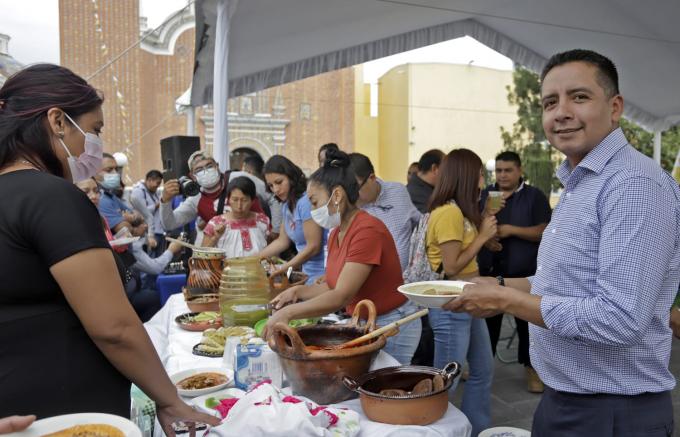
455	233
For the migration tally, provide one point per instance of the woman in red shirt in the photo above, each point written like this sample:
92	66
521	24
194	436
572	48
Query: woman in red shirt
363	262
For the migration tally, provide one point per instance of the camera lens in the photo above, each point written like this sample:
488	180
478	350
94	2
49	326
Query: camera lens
187	187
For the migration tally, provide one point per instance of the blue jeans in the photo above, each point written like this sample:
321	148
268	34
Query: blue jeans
403	345
457	337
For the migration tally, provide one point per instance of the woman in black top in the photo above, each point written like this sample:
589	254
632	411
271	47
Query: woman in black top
69	340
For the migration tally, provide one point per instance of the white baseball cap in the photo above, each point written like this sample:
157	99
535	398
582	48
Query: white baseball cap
203	154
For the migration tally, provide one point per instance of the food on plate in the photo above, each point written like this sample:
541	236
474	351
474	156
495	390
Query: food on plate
202	380
435	290
93	430
259	326
205	318
393	392
213	340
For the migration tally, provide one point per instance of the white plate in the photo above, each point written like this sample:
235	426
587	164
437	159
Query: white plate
231	392
429	301
177	377
57	423
123	241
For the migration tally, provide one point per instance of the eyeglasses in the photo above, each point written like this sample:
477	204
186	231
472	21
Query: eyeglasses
199	170
363	182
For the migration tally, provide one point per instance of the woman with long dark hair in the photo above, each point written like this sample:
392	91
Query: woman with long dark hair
287	182
456	232
363	262
69	339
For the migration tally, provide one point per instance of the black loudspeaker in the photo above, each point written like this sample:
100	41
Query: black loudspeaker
175	152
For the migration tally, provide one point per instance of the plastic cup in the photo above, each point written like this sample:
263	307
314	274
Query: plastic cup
495	199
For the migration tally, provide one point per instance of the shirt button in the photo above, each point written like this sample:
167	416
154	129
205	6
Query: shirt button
540	268
568	194
552	231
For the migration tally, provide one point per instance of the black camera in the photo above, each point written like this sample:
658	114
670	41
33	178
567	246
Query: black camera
188	187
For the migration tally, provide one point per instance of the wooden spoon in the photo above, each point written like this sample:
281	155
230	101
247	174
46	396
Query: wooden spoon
378	332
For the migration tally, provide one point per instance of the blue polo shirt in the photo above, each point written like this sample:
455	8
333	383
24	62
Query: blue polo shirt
527	206
112	207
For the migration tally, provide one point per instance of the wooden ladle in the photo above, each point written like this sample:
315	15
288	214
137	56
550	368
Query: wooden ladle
377	333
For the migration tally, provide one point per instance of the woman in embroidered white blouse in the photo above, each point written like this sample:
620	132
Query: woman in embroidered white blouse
239	231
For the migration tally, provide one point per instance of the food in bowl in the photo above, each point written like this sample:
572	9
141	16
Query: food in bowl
435	290
93	430
202	380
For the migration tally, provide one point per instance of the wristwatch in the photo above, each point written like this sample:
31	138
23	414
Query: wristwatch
501	280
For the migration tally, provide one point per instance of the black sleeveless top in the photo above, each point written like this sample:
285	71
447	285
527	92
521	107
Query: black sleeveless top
48	363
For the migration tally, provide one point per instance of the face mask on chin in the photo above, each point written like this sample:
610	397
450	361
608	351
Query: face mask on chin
324	218
89	162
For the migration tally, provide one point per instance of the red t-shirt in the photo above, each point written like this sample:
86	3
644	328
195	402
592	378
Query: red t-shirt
368	241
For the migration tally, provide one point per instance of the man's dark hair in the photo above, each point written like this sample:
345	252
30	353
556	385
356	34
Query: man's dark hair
154	174
509	156
256	163
244	184
328	146
430	158
108	155
607	76
361	165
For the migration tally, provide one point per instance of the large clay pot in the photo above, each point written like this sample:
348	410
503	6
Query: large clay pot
414	409
205	269
317	374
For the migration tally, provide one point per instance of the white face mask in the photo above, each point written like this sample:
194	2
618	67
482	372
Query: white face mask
89	162
324	218
208	178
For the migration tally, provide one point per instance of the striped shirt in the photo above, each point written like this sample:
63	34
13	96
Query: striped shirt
608	270
394	208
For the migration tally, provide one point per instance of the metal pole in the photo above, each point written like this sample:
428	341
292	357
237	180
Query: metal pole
657	147
191	121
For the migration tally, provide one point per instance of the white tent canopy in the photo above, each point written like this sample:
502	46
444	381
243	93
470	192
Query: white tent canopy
272	42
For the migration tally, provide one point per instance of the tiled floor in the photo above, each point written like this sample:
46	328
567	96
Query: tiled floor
513	405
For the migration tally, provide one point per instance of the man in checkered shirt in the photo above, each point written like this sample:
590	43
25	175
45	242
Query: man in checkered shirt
608	268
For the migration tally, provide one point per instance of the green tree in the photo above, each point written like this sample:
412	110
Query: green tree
527	137
539	160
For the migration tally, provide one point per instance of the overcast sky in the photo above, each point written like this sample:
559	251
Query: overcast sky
33	26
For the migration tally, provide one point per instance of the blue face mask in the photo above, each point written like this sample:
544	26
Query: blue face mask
111	181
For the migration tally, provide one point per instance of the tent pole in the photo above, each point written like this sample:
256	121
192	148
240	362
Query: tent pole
657	147
225	10
191	121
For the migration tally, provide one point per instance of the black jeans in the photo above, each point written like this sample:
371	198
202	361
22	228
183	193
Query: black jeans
562	414
494	324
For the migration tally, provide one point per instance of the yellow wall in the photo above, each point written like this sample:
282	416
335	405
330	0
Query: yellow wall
425	106
459	106
365	126
394	116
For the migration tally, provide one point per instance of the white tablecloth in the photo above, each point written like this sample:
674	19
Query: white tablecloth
174	346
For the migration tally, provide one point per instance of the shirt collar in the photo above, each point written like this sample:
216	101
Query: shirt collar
597	158
380	200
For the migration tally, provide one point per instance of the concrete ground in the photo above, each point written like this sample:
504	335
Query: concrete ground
513	405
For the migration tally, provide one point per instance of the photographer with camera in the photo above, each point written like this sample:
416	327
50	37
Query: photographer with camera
205	193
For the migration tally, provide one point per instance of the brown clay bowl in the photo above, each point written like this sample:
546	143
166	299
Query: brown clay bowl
417	409
317	374
279	282
203	302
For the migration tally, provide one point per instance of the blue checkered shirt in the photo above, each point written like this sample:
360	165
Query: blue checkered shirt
608	270
395	209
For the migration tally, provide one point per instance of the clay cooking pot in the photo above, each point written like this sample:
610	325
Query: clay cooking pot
415	409
317	374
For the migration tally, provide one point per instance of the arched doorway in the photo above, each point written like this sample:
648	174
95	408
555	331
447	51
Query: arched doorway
237	156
